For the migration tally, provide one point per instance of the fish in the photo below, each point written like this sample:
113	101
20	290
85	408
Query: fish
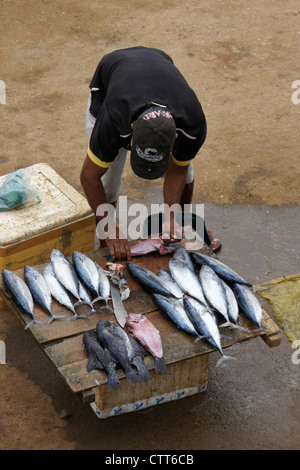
145	332
100	359
116	340
138	353
205	324
58	291
186	279
86	270
148	279
183	255
174	310
214	291
18	288
40	291
170	284
103	288
151	245
249	304
224	271
65	273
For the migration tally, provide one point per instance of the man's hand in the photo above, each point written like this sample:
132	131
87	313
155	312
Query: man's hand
119	247
171	232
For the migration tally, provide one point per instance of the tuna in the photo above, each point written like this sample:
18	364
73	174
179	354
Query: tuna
187	279
58	291
175	311
87	271
249	304
145	332
20	292
183	255
148	279
103	290
221	269
65	273
40	291
170	284
116	340
100	358
214	291
205	324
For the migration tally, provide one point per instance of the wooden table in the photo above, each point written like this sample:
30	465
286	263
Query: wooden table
187	361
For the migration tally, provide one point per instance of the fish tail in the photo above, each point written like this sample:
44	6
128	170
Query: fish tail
225	358
78	316
33	322
160	365
55	317
97	298
259	329
143	372
131	376
113	381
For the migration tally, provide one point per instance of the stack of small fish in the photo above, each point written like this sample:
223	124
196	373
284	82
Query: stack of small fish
197	302
71	284
109	347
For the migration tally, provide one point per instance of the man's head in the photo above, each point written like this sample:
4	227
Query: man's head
153	139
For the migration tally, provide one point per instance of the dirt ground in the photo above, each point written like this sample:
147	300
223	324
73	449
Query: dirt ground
241	58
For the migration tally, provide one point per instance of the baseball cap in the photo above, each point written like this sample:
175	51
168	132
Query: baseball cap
153	138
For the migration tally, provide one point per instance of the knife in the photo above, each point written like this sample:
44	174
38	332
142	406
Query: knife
118	306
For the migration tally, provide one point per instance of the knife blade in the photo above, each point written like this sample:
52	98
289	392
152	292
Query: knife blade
118	306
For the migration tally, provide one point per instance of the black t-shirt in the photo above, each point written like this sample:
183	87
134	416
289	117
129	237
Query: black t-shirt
127	82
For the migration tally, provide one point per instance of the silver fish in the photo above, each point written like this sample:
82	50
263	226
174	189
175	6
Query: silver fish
224	271
58	291
116	340
214	291
21	294
174	309
205	324
183	255
86	270
187	280
103	290
148	279
65	272
249	304
40	291
170	284
100	358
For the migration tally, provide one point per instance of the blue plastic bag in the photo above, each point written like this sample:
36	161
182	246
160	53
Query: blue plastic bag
16	190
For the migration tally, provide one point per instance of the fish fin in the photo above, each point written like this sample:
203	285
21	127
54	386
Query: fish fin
201	337
55	317
78	316
259	329
227	323
33	322
131	376
160	365
143	372
225	358
92	365
258	288
113	382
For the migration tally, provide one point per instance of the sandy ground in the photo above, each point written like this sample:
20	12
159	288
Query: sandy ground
241	58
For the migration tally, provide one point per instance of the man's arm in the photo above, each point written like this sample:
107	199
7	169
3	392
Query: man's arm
90	179
174	185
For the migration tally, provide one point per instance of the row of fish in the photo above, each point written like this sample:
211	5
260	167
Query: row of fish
109	347
70	284
197	302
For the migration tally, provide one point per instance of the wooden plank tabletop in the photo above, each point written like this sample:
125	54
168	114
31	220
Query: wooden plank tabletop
62	339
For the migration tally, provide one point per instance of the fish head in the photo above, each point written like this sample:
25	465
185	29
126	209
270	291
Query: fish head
133	320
